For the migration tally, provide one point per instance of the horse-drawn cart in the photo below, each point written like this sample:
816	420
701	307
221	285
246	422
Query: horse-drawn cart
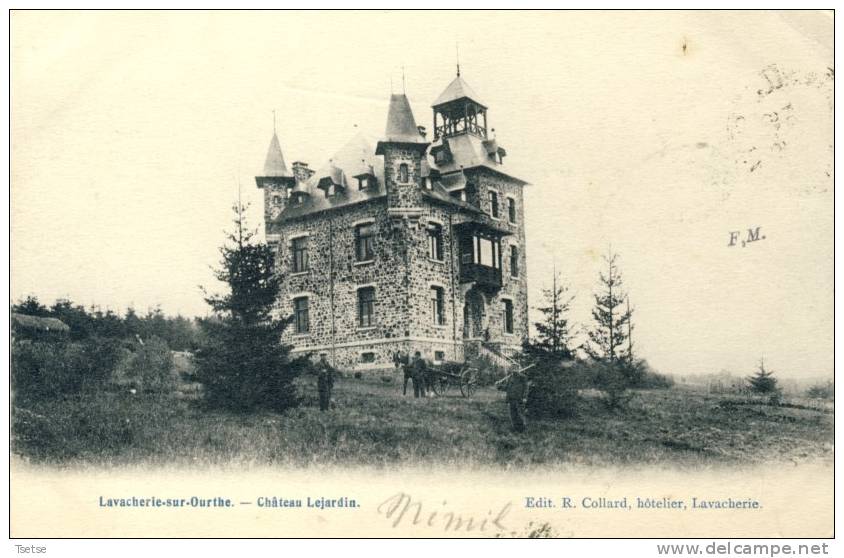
447	376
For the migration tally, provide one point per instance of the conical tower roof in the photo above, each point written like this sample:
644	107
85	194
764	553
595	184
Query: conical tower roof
401	126
274	164
456	90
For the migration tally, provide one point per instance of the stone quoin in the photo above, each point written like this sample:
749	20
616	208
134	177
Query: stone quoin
415	244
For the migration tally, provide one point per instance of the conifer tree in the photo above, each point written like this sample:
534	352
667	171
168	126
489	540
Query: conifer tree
610	331
553	331
763	380
243	364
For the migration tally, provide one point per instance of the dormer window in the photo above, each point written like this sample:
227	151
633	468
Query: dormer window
403	173
429	184
363	182
441	157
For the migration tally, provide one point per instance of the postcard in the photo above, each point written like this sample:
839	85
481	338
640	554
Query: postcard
422	274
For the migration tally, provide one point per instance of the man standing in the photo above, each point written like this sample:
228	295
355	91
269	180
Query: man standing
517	391
325	381
418	372
402	361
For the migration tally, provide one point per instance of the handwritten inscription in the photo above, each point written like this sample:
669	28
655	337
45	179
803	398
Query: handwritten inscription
401	509
753	235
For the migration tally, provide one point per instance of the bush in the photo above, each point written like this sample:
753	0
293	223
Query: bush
613	379
488	371
554	389
49	369
641	375
822	392
149	368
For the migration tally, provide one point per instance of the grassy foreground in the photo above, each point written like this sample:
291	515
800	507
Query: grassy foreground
372	424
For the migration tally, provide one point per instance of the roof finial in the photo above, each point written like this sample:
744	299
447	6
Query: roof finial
273	121
391	84
403	84
457	51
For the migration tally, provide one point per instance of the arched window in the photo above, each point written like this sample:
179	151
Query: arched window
403	172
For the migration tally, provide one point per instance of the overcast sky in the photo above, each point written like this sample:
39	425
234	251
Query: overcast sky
656	132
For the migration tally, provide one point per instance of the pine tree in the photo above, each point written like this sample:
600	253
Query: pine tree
243	364
554	393
554	334
611	331
763	380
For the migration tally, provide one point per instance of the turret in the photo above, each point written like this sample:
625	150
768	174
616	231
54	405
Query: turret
403	148
458	110
276	181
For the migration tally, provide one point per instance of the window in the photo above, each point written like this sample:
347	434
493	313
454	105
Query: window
493	204
488	252
363	183
300	254
439	356
301	314
467	249
441	157
403	174
435	242
438	305
511	209
458	194
364	242
514	261
277	200
508	316
367	357
366	306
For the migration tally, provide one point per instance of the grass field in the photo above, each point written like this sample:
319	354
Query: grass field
372	424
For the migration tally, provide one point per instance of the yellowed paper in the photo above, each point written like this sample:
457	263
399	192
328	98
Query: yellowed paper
697	145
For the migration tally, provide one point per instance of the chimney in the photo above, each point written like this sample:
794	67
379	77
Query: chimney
301	171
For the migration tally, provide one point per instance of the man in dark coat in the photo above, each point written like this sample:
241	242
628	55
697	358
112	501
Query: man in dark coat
418	371
325	381
516	388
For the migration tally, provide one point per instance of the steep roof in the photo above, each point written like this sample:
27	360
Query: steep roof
468	151
354	159
456	90
274	164
401	126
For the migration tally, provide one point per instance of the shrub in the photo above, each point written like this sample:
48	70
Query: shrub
150	367
826	391
49	369
612	378
488	371
554	389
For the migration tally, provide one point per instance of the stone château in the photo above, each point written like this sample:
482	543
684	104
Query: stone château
414	244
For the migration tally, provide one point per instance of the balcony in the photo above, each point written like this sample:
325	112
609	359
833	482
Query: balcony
481	275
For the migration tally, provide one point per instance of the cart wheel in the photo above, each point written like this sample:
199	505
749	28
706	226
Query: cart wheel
441	386
437	386
468	382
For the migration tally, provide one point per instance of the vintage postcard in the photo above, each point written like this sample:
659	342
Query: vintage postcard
422	274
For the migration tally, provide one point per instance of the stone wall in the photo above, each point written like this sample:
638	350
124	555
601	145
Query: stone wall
402	274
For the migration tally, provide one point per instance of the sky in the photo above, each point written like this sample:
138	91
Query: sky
655	134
